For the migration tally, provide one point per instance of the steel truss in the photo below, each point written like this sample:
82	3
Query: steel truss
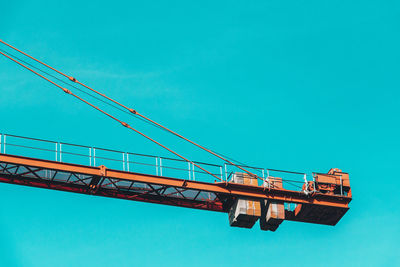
100	181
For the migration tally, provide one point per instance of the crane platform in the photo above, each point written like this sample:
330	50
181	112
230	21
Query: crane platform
191	191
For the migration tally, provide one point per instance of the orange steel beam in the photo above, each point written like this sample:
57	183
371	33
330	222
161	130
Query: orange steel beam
135	112
226	189
215	205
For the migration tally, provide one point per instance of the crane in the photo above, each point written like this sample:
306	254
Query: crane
247	194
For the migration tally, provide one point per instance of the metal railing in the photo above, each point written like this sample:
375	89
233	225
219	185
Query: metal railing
140	163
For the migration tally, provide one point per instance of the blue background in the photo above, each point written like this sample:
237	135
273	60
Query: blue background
298	85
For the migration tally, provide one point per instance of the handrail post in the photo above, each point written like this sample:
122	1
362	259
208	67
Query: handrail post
128	164
189	168
156	165
194	177
123	161
90	156
305	183
1	142
60	145
220	170
226	173
56	151
94	157
314	185
161	167
263	176
127	161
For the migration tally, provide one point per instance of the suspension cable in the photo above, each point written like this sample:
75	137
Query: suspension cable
109	115
79	89
133	111
105	102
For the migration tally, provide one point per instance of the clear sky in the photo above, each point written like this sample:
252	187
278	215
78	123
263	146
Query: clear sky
298	85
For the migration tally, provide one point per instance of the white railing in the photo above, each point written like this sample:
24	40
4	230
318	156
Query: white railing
140	163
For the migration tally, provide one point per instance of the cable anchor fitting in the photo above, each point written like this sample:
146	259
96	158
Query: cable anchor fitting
124	124
72	79
66	91
133	111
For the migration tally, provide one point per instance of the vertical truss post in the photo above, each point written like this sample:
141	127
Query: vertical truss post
305	183
4	144
60	145
56	144
220	170
160	166
193	176
156	165
226	172
123	161
189	169
127	161
90	156
94	157
263	177
314	185
264	180
1	142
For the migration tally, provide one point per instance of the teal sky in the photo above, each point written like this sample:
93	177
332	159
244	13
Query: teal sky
297	85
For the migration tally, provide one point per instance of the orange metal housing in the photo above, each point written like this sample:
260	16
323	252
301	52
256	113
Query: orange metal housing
334	182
